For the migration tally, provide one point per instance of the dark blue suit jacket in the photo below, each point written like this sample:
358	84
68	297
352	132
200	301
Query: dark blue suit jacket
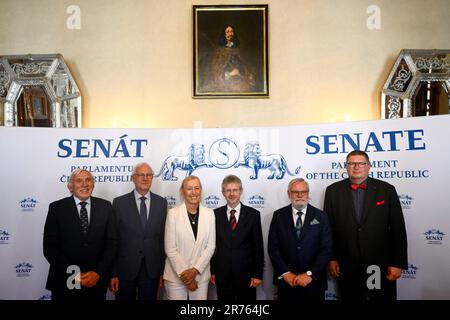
134	242
311	252
65	245
239	255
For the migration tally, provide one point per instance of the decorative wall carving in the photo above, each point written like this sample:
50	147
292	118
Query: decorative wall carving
418	85
38	91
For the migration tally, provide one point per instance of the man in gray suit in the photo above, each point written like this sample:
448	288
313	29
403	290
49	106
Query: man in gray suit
141	218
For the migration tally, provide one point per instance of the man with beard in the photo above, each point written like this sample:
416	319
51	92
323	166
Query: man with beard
300	246
225	69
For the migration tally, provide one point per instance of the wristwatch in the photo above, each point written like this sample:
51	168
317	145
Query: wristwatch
309	273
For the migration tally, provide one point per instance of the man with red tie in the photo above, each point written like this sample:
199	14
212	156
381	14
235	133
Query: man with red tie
238	262
369	233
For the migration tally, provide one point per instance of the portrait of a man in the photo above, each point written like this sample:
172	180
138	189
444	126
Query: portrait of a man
230	54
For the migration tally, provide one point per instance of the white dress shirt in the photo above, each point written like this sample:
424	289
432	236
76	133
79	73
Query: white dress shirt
88	207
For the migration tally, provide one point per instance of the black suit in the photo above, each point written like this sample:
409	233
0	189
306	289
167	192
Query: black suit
379	239
310	252
140	251
239	254
65	245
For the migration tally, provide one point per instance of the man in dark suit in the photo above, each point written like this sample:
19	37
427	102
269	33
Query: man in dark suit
141	218
79	235
369	230
237	264
300	245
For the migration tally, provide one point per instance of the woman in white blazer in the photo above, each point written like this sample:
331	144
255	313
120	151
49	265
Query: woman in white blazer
190	241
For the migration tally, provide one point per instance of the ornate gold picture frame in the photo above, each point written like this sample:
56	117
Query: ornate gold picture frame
230	51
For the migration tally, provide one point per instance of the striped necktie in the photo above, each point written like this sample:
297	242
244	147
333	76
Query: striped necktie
233	222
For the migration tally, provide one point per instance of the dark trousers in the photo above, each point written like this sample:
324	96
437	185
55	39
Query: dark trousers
229	291
96	293
353	287
297	293
141	288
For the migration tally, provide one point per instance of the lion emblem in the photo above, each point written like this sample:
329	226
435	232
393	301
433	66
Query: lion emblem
191	161
275	163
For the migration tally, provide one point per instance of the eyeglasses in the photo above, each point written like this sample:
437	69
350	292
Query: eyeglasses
356	164
144	175
299	192
232	190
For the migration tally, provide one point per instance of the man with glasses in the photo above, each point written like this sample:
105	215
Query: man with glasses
141	217
237	264
300	245
370	246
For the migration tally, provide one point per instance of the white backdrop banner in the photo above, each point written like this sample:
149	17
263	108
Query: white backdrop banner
412	154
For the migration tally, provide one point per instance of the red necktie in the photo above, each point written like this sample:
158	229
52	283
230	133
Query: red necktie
357	186
233	222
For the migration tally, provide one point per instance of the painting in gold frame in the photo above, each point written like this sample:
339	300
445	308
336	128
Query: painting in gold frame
230	51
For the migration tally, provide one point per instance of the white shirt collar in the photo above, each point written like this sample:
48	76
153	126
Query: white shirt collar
77	200
294	211
238	208
138	196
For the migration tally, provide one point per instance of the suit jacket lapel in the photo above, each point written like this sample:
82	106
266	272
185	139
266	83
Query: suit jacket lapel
369	198
351	206
306	223
289	221
243	217
224	224
152	206
74	213
135	215
93	214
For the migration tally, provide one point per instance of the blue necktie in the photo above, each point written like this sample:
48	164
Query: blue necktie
298	224
143	212
84	218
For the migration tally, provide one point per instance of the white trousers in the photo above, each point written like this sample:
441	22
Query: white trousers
178	291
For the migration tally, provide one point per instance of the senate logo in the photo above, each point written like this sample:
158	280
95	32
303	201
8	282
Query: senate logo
410	273
45	297
256	201
434	236
275	163
28	204
194	159
223	154
4	237
23	269
212	201
405	201
171	201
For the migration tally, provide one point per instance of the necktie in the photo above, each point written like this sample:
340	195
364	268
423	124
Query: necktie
84	218
143	212
358	186
233	222
298	224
